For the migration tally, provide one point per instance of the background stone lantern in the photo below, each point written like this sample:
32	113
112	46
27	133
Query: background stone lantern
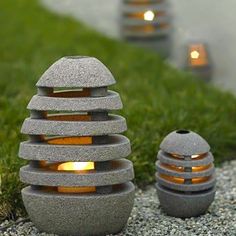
79	180
185	174
147	23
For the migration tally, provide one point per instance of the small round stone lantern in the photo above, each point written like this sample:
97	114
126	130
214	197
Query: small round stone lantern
185	174
147	23
79	180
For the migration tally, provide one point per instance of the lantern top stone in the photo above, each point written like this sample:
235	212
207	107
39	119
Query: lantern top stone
76	72
184	143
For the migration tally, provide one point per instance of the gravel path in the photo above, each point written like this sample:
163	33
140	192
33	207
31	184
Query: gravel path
147	218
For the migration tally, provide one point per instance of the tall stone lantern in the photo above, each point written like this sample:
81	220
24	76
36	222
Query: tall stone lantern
79	180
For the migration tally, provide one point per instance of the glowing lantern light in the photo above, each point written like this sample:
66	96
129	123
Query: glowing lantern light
198	61
148	24
78	172
195	54
76	166
149	15
185	180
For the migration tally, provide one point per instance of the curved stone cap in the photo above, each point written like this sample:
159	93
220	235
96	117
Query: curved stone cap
186	143
76	71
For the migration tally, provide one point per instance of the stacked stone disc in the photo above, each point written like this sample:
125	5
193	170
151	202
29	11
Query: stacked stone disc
185	174
79	180
148	23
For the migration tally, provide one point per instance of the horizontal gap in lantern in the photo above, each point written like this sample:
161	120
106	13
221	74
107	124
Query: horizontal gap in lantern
181	157
147	28
178	180
72	140
71	190
182	169
72	167
80	167
144	3
81	140
80	190
70	93
69	117
140	15
86	116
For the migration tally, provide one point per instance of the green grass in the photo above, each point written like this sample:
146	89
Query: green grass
157	98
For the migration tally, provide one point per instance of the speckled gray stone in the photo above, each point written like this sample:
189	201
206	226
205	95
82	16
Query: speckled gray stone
76	71
185	174
118	147
184	205
84	214
115	124
121	172
106	209
165	158
184	144
110	102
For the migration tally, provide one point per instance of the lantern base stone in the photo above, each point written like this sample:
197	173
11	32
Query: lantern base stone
80	214
162	45
184	205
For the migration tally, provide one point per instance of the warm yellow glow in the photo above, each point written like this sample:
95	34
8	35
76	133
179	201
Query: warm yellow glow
178	180
70	141
195	156
149	15
195	54
182	169
76	166
89	189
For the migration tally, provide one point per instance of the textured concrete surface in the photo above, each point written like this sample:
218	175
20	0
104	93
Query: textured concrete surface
203	20
117	147
184	205
178	194
115	124
106	209
164	157
110	102
185	175
89	214
120	172
77	72
184	143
